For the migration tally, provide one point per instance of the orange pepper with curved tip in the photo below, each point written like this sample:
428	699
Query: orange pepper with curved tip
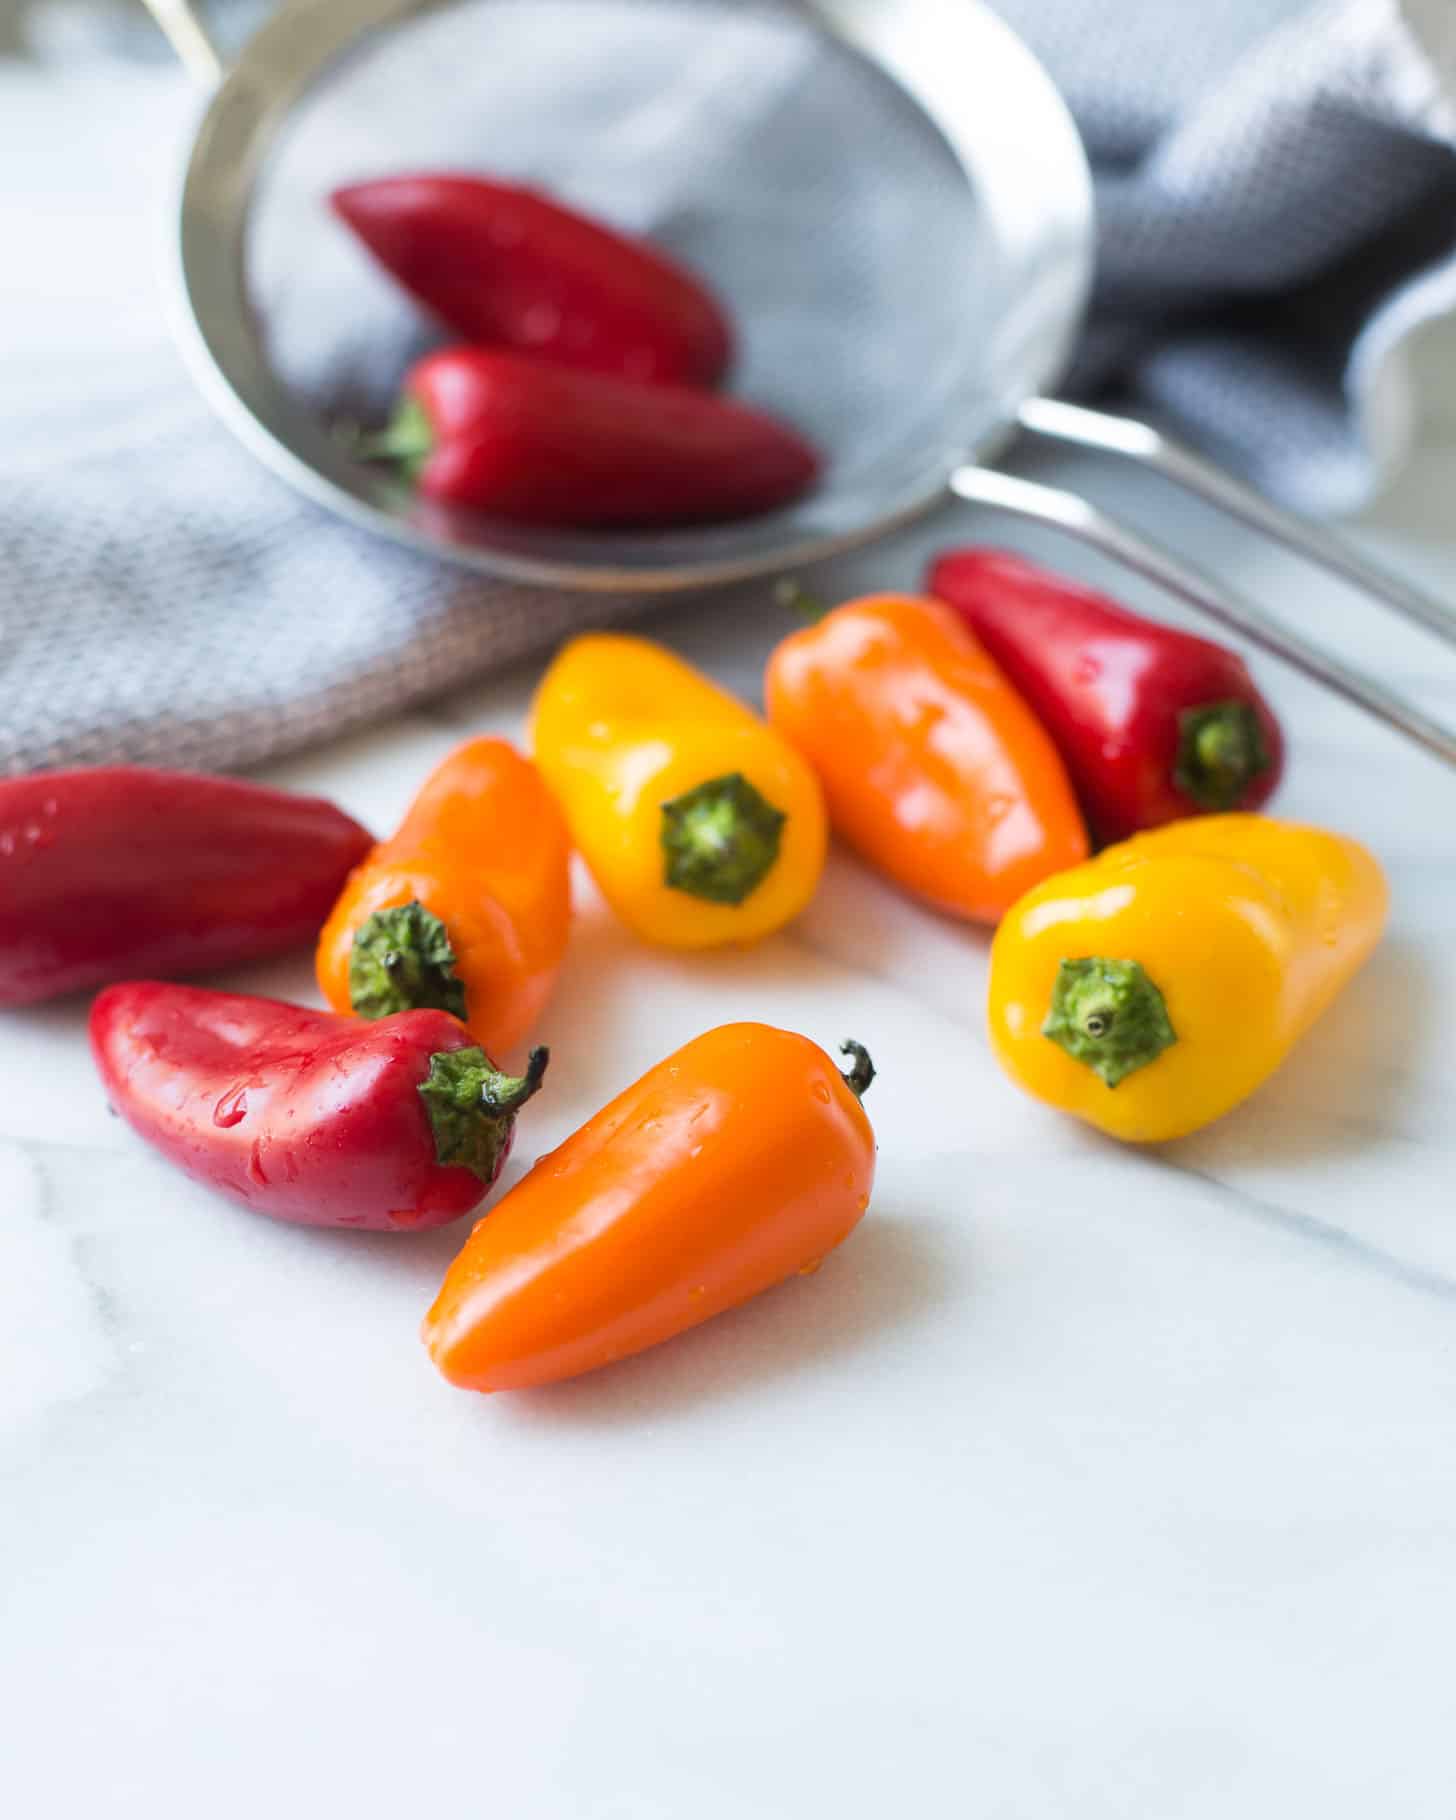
737	1162
466	908
933	766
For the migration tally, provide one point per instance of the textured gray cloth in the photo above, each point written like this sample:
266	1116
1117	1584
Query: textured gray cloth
1277	194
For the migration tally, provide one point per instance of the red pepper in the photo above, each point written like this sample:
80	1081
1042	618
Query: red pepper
305	1115
502	265
122	870
541	445
1152	723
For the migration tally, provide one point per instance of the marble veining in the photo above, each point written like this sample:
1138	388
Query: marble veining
57	1322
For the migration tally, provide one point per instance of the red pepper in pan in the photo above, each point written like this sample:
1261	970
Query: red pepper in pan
121	870
542	445
504	266
1152	723
308	1116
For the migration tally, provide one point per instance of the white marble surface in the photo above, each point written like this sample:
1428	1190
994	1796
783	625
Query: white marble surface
1082	1482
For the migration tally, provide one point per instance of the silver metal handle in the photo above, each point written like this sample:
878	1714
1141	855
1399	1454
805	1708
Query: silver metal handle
190	39
1150	448
1079	518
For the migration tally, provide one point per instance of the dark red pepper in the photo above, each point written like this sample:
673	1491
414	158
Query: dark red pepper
542	445
505	266
121	870
308	1116
1152	723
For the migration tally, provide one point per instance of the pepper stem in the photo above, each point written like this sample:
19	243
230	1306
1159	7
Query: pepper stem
509	1092
861	1069
402	960
472	1106
1221	750
720	840
1109	1015
794	597
407	440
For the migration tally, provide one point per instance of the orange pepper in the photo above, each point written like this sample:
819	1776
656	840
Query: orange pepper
933	766
737	1162
465	908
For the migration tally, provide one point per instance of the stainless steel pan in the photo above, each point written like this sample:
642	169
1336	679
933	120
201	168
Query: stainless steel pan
946	192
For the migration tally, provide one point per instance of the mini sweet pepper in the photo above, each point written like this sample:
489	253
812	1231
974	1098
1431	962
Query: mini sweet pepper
509	267
465	908
735	1163
1154	723
933	766
698	821
123	870
545	445
306	1116
1154	988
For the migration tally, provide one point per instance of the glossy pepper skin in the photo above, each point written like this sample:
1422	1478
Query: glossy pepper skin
1153	989
932	766
536	444
124	870
1154	724
465	908
699	823
306	1116
505	266
740	1160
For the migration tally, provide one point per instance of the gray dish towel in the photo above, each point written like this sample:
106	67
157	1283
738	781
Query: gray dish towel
1277	196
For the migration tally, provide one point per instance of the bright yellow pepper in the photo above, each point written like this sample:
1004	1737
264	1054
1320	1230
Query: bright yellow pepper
700	824
1152	989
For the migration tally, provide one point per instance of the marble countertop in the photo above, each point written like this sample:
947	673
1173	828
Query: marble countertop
1081	1482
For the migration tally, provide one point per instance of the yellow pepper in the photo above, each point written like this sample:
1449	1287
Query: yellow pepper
1152	989
700	823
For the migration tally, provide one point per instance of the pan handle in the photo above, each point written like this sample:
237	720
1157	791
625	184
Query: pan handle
1081	519
182	26
1150	448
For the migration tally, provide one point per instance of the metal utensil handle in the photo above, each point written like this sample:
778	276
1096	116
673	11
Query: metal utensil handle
1150	448
189	38
1079	518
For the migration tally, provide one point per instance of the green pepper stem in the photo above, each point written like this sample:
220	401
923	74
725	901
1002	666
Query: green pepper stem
509	1092
407	440
861	1070
472	1106
794	597
720	840
1109	1015
402	960
1221	750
